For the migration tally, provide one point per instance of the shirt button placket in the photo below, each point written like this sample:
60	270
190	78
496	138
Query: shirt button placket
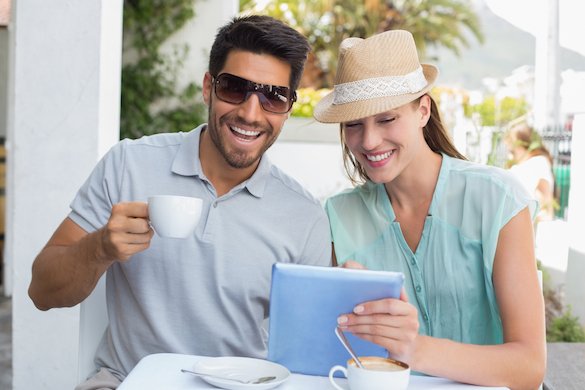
419	292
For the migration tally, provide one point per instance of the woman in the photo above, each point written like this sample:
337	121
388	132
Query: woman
472	309
531	163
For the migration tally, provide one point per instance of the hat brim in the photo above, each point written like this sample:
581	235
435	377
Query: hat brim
327	112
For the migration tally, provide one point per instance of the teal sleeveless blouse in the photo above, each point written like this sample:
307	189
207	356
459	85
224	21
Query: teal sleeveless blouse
449	277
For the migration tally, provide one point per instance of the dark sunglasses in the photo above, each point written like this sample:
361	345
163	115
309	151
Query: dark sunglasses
236	90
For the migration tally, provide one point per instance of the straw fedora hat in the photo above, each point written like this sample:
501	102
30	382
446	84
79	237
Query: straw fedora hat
375	75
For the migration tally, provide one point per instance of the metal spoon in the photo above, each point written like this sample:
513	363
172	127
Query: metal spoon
345	343
254	381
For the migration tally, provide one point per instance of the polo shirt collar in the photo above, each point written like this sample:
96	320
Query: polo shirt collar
257	183
187	163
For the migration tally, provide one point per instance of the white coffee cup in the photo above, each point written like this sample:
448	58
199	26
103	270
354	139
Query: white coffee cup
378	374
174	216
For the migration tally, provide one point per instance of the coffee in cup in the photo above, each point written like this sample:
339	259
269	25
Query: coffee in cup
378	374
174	216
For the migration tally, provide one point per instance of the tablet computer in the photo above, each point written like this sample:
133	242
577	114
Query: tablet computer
305	302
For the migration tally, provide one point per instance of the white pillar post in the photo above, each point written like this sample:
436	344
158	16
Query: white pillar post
63	114
574	291
547	74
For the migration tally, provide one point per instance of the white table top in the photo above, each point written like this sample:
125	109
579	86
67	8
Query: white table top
162	371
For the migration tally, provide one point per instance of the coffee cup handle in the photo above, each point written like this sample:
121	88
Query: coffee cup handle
333	370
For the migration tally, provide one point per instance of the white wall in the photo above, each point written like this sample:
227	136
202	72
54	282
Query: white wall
317	166
63	115
574	291
199	33
310	152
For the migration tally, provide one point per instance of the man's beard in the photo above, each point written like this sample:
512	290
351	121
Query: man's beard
236	159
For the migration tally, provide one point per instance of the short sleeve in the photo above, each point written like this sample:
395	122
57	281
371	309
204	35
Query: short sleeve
503	200
544	169
318	247
478	201
357	217
92	206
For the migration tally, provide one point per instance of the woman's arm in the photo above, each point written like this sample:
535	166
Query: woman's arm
544	193
518	363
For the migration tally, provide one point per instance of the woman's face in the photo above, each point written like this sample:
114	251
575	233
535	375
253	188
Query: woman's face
385	144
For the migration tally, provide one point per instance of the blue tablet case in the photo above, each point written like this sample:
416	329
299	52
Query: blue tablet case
305	302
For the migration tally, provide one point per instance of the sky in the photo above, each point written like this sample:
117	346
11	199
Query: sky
529	15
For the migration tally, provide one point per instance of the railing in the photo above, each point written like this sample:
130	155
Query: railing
558	142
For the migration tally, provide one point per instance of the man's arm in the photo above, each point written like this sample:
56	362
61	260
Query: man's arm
67	269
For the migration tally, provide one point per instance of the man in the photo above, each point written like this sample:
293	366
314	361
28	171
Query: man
207	294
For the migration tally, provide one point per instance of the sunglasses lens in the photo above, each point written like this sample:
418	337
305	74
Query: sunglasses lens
235	90
231	89
276	99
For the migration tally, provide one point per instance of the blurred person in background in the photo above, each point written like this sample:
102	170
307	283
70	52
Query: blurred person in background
531	162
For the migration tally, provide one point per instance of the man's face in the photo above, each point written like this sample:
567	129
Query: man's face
242	132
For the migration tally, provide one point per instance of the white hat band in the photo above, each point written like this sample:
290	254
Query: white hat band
379	87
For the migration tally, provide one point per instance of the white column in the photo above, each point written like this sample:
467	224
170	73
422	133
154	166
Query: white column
63	114
547	73
574	291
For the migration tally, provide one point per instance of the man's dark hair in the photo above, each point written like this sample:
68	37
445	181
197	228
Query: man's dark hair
260	35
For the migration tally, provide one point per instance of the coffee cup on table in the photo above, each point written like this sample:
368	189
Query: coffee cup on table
378	374
174	216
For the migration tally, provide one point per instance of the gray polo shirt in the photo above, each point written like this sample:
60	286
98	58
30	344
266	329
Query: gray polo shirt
207	294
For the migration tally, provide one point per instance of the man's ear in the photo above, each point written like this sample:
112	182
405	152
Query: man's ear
207	88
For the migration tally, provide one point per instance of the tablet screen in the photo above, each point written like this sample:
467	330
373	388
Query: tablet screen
305	302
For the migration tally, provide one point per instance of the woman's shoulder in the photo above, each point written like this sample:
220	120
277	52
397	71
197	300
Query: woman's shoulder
470	171
474	194
358	193
540	161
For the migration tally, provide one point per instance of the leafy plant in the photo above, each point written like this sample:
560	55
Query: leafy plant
565	328
326	23
561	325
150	100
307	99
497	112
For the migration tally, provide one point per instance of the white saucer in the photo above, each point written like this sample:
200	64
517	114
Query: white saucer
241	368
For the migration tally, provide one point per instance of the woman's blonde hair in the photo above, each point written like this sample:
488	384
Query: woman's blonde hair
435	135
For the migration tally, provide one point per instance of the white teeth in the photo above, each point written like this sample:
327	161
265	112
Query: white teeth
378	157
245	132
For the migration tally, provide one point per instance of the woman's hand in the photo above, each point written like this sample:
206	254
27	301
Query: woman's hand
390	323
353	265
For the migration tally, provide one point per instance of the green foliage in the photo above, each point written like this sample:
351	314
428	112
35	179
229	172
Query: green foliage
150	101
566	328
499	113
307	99
327	22
561	325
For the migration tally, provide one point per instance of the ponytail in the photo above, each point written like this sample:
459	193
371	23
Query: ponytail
437	137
